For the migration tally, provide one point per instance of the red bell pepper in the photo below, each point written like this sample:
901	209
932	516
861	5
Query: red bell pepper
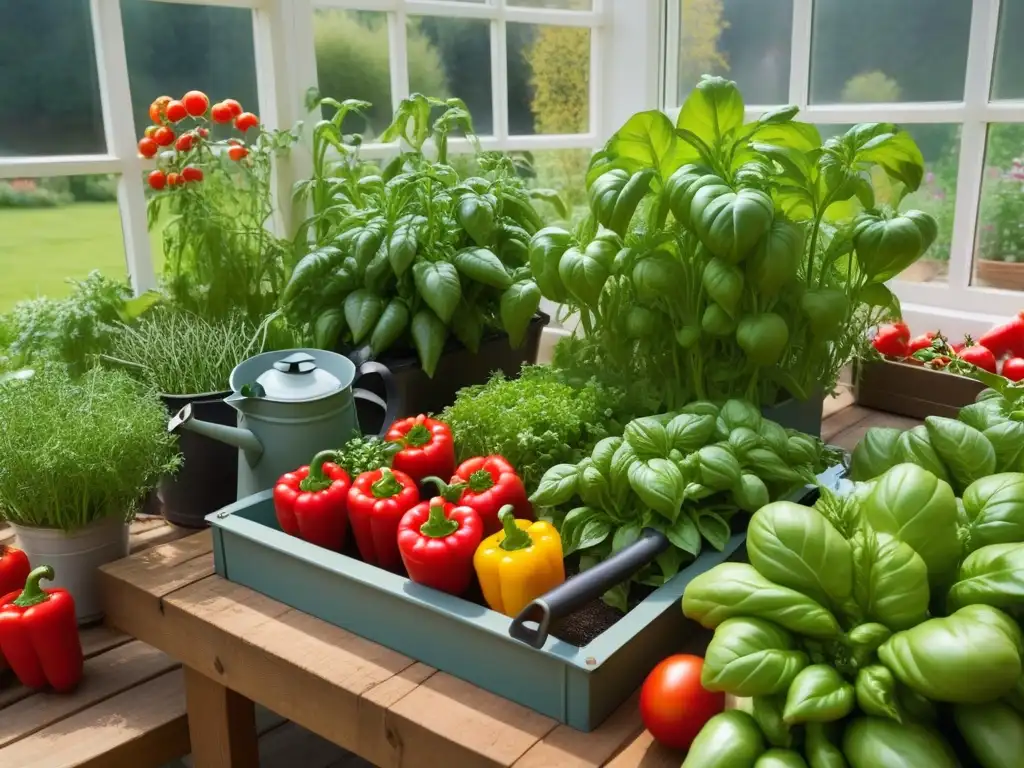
312	502
487	483
437	541
1005	339
891	340
39	635
427	447
377	502
14	569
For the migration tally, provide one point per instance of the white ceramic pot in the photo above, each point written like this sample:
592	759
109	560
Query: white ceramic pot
76	557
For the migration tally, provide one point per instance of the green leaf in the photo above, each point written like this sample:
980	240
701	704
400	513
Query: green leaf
767	713
876	692
428	335
390	327
518	305
775	261
713	528
625	536
875	742
362	310
467	325
483	266
730	224
994	507
476	214
818	694
914	447
438	284
1007	438
660	486
583	528
875	454
618	475
992	575
890	580
751	657
820	746
712	109
719	469
328	328
898	155
688	432
723	282
750	493
879	295
552	198
684	534
649	140
557	486
648	438
994	733
730	739
402	249
966	452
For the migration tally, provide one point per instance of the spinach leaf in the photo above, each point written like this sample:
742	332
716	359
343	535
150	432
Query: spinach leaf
965	451
751	657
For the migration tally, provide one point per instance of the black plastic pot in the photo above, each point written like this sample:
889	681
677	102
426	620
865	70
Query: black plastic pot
457	368
208	479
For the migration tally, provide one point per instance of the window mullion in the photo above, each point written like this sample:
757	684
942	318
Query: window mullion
398	47
800	53
499	74
672	41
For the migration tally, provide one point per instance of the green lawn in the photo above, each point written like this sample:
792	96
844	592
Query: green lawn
41	247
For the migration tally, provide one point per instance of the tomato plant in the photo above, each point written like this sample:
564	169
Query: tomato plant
175	111
185	142
221	113
148	147
975	354
191	173
196	103
203	133
237	152
150	130
236	108
673	703
156	109
157	179
163	136
245	121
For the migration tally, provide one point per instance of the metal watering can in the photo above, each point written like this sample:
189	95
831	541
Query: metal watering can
291	404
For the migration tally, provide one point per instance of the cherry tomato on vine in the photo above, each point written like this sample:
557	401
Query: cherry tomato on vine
175	111
221	113
148	147
246	120
1013	368
674	705
236	142
157	180
196	103
236	152
156	109
163	136
236	108
191	173
979	356
174	179
150	130
203	133
185	142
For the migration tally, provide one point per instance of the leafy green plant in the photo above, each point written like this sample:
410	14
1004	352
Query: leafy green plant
73	451
731	259
411	253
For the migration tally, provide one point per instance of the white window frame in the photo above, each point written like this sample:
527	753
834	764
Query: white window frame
956	306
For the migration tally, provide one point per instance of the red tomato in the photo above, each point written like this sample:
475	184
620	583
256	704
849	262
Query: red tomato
1013	368
157	180
150	130
185	142
191	173
236	108
164	136
674	705
203	133
156	109
196	103
891	340
176	111
221	113
148	147
173	179
246	120
236	153
979	356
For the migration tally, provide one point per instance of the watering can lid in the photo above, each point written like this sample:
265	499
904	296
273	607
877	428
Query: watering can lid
297	377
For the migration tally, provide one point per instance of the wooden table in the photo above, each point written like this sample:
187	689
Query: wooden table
238	647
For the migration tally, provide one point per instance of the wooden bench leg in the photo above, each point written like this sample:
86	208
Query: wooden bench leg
221	724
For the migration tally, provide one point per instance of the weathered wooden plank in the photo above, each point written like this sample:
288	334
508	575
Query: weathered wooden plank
848	438
645	752
373	719
221	724
160	570
842	420
143	727
156	535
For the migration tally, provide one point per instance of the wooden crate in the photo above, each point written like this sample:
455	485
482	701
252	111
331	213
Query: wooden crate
913	390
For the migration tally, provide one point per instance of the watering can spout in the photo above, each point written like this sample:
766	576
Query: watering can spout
241	438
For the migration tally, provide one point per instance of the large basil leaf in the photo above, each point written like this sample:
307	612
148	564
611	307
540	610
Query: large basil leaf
972	656
481	265
517	307
648	438
801	449
719	469
647	140
557	486
583	528
983	414
730	590
730	739
775	437
684	534
781	758
744	439
593	488
867	637
820	746
712	110
775	262
796	547
689	432
603	453
992	575
584	272
428	336
390	327
660	485
890	580
914	447
767	713
818	694
740	413
438	284
713	527
914	506
751	657
730	224
875	453
994	732
1007	440
362	311
750	493
874	742
618	475
965	451
876	692
770	467
994	507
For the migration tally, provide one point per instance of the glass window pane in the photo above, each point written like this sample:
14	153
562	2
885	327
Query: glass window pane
49	94
999	249
71	223
548	79
173	48
889	50
940	148
747	41
561	5
1007	79
464	48
352	62
563	170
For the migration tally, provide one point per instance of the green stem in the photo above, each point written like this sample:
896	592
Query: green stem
448	491
33	594
316	480
387	486
438	525
481	481
417	437
515	537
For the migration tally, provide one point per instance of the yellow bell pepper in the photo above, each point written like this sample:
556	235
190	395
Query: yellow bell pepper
519	563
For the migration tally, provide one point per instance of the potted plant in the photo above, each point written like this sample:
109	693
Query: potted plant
188	359
413	264
1001	234
77	459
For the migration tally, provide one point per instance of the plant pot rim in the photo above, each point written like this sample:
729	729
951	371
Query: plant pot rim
111	521
212	395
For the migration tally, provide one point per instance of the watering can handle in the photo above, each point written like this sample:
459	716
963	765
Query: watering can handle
391	404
